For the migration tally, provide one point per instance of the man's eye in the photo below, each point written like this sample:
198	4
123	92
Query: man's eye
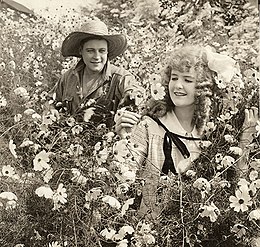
174	78
189	81
103	51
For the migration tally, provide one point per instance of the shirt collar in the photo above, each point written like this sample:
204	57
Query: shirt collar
107	71
80	65
178	129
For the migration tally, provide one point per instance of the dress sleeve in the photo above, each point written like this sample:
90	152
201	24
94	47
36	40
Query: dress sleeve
139	141
150	207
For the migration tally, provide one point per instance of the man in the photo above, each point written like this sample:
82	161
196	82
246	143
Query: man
94	77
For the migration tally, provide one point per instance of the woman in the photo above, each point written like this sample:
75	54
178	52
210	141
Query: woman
169	138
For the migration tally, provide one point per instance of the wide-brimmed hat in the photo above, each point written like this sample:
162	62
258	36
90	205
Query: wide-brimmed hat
93	29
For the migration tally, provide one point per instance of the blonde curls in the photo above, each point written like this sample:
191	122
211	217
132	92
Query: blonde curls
183	59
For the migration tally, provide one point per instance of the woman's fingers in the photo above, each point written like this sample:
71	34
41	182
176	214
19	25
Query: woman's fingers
127	117
251	116
246	115
128	114
130	118
255	112
124	122
126	125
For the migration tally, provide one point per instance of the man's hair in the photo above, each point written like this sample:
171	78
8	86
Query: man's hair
88	39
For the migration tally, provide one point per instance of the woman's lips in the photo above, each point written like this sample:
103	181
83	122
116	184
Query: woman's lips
180	94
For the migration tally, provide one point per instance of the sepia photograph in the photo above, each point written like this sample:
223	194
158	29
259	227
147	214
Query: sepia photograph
129	123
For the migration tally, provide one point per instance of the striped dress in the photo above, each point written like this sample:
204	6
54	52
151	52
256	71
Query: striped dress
147	138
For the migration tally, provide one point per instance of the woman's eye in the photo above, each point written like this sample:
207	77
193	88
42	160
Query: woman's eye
189	81
174	78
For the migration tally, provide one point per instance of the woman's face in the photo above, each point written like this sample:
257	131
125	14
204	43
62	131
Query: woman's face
182	87
94	53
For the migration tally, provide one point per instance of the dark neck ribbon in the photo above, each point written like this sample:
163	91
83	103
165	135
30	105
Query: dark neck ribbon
169	137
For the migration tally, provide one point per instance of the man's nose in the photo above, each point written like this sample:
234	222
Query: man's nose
96	54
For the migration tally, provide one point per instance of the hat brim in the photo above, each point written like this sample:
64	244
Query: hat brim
117	44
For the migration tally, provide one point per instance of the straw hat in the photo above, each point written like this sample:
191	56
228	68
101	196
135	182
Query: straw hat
93	29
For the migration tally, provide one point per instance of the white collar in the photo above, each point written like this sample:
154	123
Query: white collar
177	127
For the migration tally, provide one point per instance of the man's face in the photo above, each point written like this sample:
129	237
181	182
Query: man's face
94	53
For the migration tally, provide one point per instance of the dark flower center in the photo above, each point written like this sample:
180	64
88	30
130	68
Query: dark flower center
241	201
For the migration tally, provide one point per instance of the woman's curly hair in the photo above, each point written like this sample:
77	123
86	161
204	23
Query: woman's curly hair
183	59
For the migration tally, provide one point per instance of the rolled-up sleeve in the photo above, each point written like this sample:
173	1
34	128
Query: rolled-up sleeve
57	91
128	85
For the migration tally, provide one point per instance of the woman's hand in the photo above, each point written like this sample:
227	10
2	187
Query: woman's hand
249	126
124	121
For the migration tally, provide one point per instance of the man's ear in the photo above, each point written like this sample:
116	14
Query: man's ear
80	51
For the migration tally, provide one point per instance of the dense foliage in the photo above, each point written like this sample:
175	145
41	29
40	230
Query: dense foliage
69	183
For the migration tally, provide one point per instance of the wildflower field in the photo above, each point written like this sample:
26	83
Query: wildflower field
69	183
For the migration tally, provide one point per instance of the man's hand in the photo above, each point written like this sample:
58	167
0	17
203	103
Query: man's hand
124	121
49	108
55	113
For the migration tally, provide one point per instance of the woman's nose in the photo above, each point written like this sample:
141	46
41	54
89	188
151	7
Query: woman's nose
179	83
